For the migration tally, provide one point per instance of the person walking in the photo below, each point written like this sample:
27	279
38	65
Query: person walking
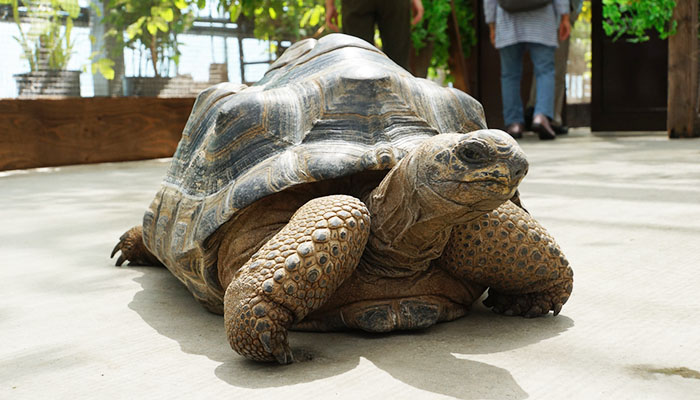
392	17
536	30
561	60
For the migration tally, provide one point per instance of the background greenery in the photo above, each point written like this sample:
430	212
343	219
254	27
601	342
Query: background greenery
148	25
47	43
280	20
636	19
433	28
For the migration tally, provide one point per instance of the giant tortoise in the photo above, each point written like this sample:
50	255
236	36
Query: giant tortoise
340	192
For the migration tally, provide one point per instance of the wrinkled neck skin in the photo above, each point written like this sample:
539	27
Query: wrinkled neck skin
411	224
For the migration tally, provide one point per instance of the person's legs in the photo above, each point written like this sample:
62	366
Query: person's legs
561	58
511	71
358	19
543	62
394	22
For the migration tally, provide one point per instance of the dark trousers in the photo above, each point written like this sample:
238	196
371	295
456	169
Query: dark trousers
392	17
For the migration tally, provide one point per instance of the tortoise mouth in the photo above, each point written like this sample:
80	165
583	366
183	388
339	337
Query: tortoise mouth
497	188
480	184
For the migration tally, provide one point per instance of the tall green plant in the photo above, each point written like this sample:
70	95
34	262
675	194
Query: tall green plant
150	25
47	44
637	18
278	20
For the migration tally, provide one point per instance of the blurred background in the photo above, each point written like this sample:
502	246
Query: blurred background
175	48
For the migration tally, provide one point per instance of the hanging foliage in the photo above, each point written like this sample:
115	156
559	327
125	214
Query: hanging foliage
635	19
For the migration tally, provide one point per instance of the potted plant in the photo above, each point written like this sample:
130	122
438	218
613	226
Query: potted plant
47	46
149	27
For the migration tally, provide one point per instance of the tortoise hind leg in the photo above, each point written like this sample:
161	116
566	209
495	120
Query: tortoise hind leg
292	274
133	250
511	253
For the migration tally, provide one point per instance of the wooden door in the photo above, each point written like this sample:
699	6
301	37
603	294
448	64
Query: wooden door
629	82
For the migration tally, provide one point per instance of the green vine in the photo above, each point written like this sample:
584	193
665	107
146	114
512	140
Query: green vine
433	29
637	18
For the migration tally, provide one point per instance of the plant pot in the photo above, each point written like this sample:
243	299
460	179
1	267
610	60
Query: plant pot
179	86
145	86
48	83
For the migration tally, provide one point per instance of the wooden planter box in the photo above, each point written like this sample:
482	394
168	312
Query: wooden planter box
44	133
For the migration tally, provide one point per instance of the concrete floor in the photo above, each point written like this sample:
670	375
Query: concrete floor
625	210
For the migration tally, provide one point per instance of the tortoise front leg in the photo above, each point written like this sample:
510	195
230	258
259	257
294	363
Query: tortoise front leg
293	274
511	253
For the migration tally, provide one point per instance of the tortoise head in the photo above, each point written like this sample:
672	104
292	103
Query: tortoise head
481	169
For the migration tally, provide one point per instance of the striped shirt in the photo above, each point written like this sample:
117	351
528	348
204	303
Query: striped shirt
537	26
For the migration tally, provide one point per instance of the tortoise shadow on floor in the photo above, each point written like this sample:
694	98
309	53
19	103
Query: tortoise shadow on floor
434	360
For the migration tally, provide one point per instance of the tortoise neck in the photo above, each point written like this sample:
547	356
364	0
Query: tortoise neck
410	224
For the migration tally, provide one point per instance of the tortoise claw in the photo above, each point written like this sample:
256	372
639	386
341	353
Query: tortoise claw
276	345
528	305
557	309
284	356
133	250
116	249
120	260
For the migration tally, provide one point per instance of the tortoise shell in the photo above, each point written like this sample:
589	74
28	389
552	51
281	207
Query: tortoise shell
325	109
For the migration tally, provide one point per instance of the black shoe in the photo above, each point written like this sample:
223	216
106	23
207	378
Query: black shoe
560	129
540	124
515	130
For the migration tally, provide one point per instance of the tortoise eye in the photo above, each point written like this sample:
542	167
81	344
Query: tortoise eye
471	154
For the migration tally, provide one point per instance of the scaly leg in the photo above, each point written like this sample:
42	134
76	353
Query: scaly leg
133	250
293	274
511	253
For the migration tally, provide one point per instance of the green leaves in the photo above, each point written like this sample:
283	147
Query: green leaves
636	18
70	6
279	19
433	28
135	29
47	43
150	25
104	66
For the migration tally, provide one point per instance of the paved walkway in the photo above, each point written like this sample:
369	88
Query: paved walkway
625	210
